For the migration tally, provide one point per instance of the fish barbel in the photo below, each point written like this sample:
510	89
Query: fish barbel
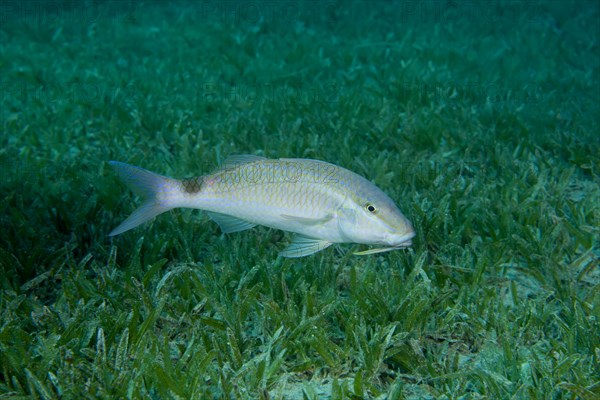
320	202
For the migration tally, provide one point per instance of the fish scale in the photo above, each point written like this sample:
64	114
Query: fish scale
321	202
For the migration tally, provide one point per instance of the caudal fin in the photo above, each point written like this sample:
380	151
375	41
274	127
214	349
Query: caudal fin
149	186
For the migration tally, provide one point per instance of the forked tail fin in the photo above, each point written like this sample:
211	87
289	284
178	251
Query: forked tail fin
151	187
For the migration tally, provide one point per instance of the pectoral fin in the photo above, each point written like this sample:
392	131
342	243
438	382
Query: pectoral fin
304	246
230	224
307	221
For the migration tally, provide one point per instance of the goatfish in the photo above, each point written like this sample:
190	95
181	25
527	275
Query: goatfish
320	202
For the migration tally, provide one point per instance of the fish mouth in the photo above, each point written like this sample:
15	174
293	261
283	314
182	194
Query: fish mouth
403	242
406	243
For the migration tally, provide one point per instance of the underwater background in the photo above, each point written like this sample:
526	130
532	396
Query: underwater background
480	119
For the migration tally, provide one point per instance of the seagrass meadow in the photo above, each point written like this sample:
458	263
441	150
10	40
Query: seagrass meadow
480	120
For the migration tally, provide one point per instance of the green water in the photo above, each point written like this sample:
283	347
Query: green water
480	120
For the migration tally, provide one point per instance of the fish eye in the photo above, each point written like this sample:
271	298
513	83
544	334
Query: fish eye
371	208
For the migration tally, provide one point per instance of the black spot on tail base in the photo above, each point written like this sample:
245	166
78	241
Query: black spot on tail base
192	185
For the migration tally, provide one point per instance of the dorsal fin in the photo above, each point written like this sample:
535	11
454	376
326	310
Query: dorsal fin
238	159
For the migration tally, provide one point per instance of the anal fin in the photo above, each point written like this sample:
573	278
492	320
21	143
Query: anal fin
230	224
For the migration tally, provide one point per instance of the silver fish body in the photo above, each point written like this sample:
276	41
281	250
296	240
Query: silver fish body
320	202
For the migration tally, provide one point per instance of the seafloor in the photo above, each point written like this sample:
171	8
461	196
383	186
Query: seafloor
479	119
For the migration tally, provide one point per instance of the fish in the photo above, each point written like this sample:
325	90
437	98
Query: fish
321	203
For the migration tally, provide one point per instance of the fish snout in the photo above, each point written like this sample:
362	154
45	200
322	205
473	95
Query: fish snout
400	239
